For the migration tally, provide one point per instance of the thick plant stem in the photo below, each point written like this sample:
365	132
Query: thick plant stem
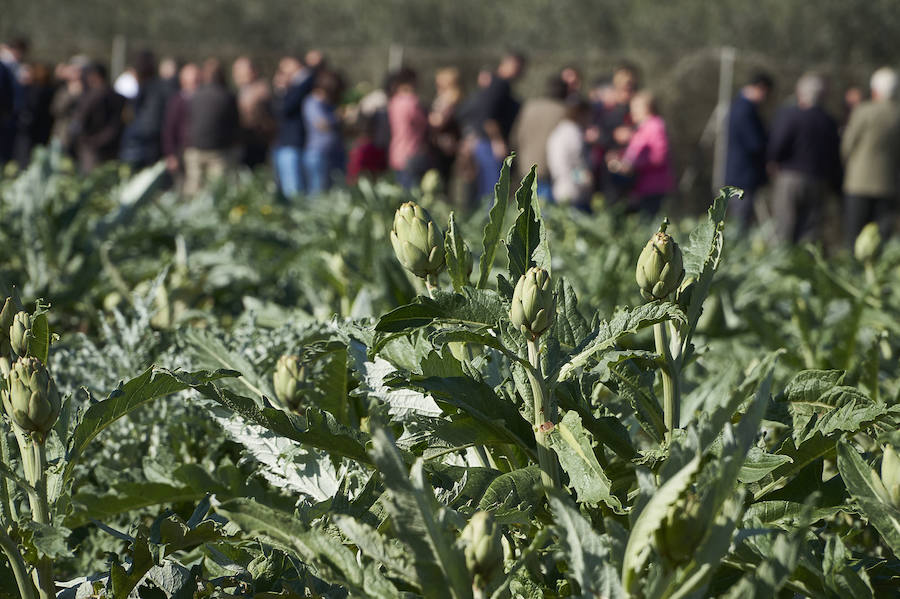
431	285
670	375
543	412
17	565
40	511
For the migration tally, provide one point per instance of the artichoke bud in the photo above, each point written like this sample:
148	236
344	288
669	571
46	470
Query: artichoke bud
431	182
482	548
288	381
659	269
868	243
20	333
417	241
32	401
890	474
682	530
533	303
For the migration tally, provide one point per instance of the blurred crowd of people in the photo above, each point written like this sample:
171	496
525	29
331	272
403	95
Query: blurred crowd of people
608	137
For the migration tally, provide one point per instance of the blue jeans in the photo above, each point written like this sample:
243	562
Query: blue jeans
545	190
488	169
320	167
289	168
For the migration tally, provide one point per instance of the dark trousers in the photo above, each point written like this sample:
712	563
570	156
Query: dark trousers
860	210
798	200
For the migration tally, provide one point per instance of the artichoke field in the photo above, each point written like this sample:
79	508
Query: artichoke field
366	395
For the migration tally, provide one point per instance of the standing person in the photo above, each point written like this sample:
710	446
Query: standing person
65	100
604	105
619	126
567	156
745	163
571	76
646	158
292	82
407	153
12	56
175	128
444	132
254	97
488	117
35	120
367	158
871	152
536	121
804	150
212	129
141	139
323	153
96	126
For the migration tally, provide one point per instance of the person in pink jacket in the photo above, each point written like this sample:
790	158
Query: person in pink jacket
646	158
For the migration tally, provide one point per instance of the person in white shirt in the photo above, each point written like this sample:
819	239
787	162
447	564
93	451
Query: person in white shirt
567	157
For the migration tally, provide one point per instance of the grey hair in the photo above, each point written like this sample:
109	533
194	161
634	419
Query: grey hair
884	82
810	89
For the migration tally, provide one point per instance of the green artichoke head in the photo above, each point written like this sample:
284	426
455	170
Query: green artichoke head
418	242
533	303
890	474
288	381
868	243
32	401
659	268
683	529
20	333
482	548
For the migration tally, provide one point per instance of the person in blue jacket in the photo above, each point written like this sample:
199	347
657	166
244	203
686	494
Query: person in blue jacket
745	165
293	83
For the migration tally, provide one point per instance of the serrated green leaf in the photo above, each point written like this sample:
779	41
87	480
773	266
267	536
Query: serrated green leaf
572	443
868	491
494	228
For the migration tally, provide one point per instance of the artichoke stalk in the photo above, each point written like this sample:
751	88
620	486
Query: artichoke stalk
866	249
532	312
659	273
418	242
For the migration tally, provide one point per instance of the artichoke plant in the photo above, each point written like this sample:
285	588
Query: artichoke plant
868	243
32	401
288	380
483	551
417	241
659	268
20	333
533	303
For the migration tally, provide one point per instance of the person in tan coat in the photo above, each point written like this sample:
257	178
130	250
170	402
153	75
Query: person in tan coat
871	151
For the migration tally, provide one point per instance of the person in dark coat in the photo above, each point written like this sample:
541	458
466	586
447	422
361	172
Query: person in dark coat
96	127
211	129
35	119
745	163
142	137
294	81
804	150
